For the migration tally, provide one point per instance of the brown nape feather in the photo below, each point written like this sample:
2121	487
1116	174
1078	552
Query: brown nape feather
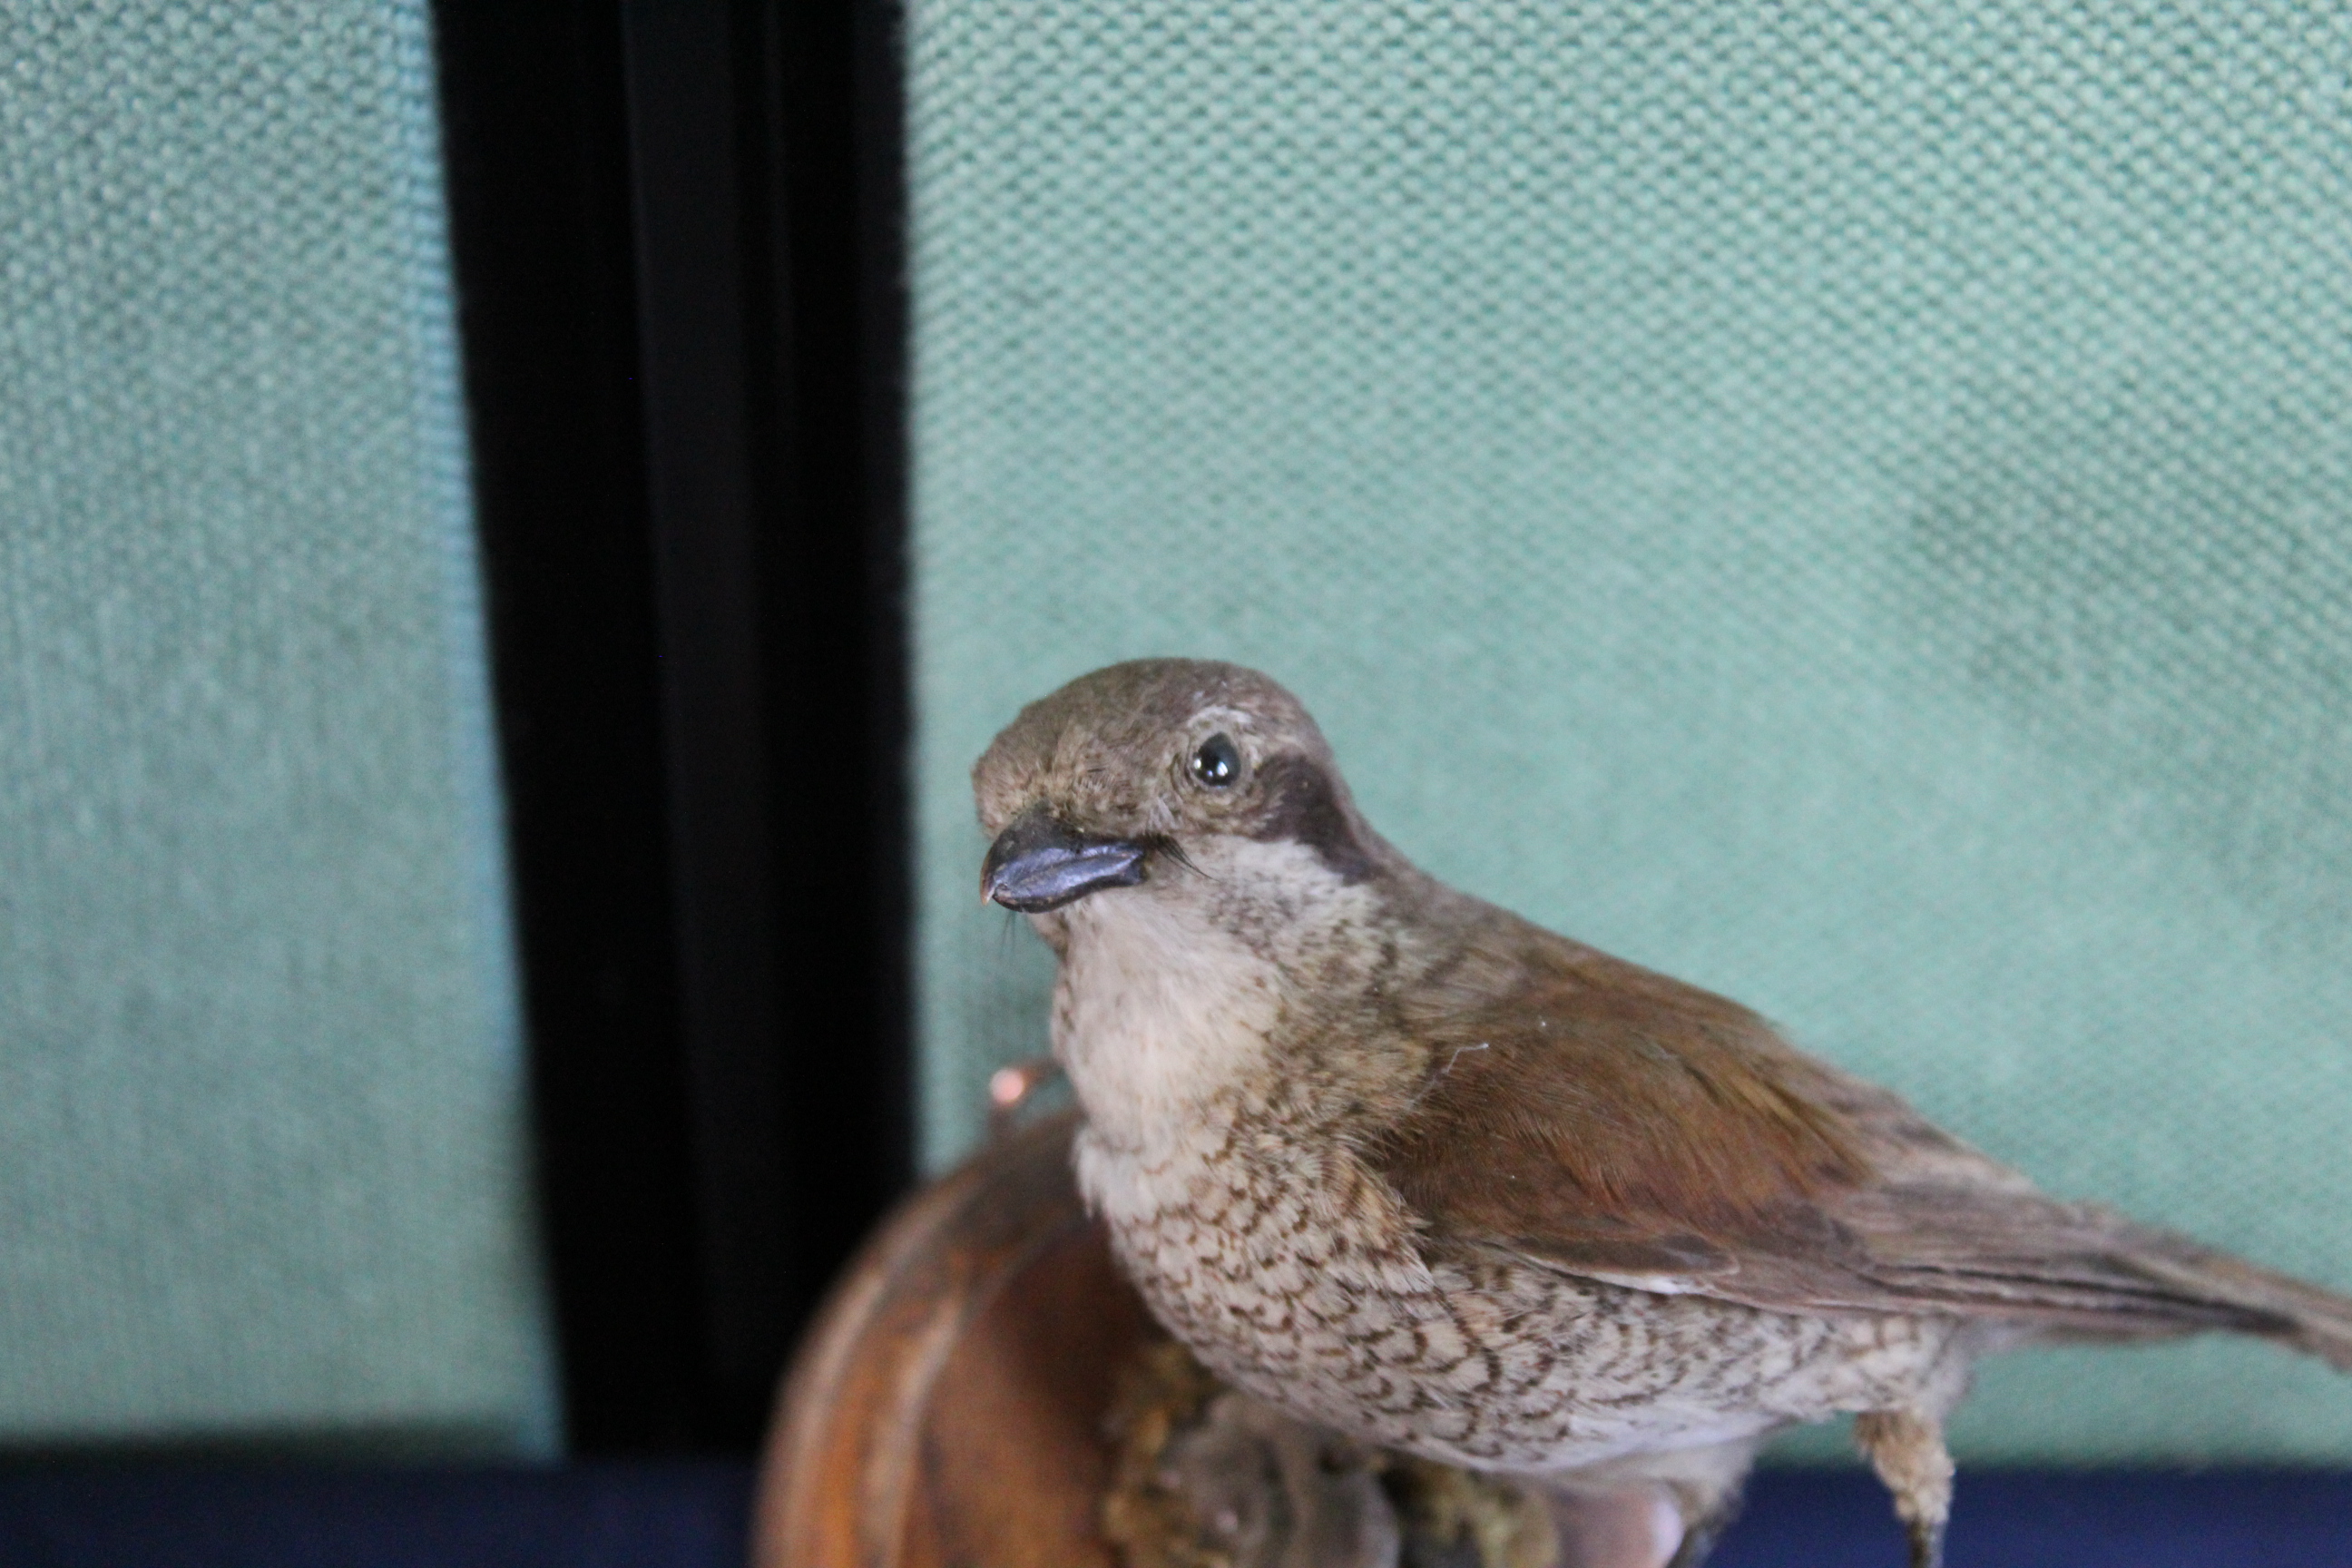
1605	1121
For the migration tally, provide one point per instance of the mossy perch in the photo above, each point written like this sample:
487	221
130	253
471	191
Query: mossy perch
1208	1478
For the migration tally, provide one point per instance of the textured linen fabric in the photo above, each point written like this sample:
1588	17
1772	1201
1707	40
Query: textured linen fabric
261	1169
1844	503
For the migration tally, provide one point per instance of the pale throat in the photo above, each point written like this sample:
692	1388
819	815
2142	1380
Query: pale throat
1171	992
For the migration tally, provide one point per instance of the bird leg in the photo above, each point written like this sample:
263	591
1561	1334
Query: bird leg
1700	1532
1652	1510
1906	1448
1709	1505
1637	1527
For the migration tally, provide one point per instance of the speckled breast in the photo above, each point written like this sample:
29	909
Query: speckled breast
1296	1277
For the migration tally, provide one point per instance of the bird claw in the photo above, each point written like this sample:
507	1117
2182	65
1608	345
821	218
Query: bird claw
1698	1545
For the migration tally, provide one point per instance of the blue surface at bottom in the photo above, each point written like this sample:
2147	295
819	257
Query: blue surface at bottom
2041	1518
696	1515
596	1515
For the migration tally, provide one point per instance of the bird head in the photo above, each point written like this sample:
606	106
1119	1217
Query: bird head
1157	766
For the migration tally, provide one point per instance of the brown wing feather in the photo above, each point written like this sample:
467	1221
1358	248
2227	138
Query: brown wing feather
1611	1121
1593	1094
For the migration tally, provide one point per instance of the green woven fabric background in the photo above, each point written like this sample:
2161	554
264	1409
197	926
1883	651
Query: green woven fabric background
261	1169
1846	503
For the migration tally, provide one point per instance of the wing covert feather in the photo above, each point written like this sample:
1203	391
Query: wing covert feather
1611	1122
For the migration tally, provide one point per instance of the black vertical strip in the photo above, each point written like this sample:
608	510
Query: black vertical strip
678	259
838	746
694	269
537	148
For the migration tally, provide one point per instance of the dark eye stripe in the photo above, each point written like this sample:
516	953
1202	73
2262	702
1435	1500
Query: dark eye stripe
1303	807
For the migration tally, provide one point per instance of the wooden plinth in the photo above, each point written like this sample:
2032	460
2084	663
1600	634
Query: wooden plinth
947	1408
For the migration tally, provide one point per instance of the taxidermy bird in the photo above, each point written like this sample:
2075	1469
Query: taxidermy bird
1407	1166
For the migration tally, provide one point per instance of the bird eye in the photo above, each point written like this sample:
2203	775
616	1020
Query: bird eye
1218	762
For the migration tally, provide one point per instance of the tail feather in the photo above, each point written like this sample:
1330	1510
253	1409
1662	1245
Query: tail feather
2306	1317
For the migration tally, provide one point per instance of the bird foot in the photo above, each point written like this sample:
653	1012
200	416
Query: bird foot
1906	1448
1636	1527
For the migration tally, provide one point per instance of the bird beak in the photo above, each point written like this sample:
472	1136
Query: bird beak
1037	864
